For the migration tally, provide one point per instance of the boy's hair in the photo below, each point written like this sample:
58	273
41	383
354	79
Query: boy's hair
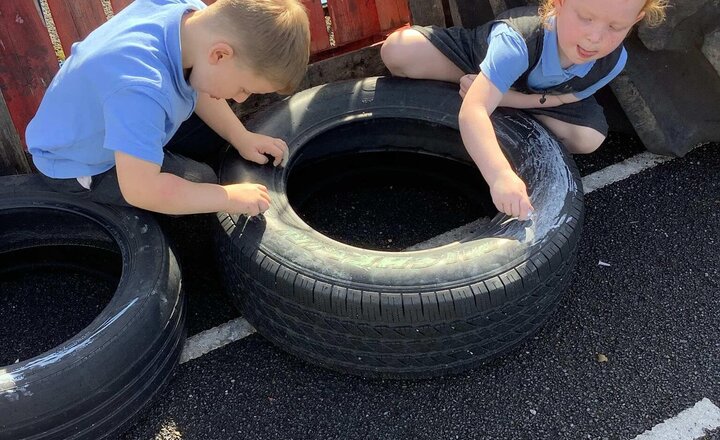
654	11
272	36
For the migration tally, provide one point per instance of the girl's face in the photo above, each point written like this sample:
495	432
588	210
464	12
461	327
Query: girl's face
590	29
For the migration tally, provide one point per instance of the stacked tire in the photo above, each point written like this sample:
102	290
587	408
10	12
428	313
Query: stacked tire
92	385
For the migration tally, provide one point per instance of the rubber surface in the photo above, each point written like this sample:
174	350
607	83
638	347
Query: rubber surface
399	314
93	384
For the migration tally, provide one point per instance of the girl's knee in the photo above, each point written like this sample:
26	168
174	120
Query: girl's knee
395	53
585	140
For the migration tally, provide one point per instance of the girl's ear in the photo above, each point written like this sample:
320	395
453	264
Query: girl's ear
640	16
219	51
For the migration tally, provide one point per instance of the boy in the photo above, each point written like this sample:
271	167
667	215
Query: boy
124	91
554	59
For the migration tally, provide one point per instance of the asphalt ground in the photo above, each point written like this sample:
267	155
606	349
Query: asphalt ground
652	309
653	313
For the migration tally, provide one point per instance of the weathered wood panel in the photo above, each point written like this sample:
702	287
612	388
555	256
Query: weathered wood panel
427	12
357	64
27	60
353	20
320	40
392	14
75	20
12	157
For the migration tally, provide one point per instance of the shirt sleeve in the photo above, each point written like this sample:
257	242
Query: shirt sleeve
135	124
609	77
506	58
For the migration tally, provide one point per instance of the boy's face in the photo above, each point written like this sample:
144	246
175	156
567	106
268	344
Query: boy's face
222	77
590	29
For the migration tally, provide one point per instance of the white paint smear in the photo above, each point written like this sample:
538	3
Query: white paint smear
215	338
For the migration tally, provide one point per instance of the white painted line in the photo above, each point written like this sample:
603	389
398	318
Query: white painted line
239	328
690	424
622	170
215	338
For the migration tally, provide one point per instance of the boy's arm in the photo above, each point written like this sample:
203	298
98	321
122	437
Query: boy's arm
217	114
143	185
508	191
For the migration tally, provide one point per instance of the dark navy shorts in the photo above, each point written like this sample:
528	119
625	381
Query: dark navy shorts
192	153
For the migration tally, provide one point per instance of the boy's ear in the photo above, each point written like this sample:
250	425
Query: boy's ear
220	51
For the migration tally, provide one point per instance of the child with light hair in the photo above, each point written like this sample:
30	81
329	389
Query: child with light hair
140	104
548	60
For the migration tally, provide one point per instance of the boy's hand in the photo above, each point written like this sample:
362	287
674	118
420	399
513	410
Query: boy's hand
254	147
465	83
247	198
510	195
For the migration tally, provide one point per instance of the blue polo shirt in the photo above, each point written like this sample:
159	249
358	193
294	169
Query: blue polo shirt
507	60
121	89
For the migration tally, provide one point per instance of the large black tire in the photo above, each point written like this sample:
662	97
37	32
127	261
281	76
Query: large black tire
92	385
408	314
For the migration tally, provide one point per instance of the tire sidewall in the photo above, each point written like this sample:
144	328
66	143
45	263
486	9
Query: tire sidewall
549	172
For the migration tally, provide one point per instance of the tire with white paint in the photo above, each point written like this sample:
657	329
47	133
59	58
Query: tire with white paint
94	384
399	314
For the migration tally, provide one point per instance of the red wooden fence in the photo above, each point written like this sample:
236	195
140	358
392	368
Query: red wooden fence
28	61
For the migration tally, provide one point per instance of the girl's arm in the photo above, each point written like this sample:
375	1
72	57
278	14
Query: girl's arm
514	99
508	191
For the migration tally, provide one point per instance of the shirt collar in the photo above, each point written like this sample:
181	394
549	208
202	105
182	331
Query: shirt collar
550	57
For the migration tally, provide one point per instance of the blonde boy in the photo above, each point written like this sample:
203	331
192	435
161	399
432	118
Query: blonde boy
549	61
109	126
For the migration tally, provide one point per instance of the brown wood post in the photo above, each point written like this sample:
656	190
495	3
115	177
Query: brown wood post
27	65
427	12
75	20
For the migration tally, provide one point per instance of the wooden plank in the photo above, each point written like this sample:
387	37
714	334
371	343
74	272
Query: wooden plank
12	157
319	38
74	20
470	13
427	12
361	63
393	14
27	60
119	5
353	20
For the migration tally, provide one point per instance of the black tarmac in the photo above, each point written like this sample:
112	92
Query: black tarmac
635	341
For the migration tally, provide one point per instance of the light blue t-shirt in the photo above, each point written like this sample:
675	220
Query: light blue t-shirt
507	59
121	89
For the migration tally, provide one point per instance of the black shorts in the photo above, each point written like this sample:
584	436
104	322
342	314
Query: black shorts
193	154
461	46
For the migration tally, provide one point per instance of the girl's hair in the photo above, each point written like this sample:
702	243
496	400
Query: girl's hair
654	11
271	36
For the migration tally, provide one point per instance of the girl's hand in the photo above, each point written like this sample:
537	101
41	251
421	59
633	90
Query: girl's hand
465	83
510	195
